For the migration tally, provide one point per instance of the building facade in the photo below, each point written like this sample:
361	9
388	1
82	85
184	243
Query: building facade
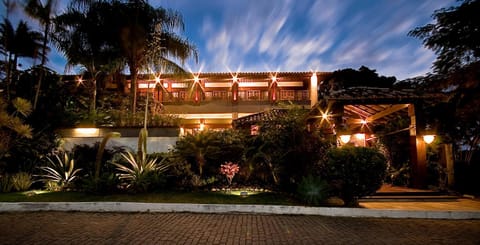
213	100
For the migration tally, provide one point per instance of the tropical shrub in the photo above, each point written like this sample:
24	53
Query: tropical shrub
285	150
106	183
52	186
88	157
60	170
21	181
398	176
13	128
312	190
354	172
207	150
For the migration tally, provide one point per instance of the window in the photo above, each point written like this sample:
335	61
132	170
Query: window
287	95
219	95
253	95
179	96
182	95
302	95
241	95
208	95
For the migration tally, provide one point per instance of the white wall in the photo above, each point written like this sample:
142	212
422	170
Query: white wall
154	144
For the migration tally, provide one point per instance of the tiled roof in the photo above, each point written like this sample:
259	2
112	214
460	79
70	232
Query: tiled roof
244	75
264	116
371	95
367	102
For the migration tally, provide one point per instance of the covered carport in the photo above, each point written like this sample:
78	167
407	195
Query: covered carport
353	114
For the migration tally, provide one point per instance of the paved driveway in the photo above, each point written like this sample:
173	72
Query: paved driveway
187	228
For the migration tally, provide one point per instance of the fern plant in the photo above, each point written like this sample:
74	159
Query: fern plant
61	171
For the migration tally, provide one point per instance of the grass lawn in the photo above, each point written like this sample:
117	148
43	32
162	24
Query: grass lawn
269	198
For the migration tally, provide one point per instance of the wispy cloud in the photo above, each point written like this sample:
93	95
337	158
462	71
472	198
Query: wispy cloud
290	35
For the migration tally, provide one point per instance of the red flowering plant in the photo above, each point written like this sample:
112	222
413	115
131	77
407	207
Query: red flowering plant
229	169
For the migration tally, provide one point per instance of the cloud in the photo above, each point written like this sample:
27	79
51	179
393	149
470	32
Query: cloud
290	35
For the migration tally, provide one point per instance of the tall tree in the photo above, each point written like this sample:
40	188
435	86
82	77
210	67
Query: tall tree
81	34
43	13
17	43
364	77
454	37
136	33
147	39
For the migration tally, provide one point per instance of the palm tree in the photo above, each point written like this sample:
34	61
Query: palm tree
81	35
195	148
130	32
43	13
17	43
147	39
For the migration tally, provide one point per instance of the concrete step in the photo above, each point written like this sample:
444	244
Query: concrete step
408	199
427	196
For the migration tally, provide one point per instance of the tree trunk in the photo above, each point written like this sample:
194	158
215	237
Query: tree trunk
44	56
133	88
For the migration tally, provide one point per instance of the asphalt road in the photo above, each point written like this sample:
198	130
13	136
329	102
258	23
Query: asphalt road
187	228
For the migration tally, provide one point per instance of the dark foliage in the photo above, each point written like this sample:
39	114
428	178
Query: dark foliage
354	172
347	78
454	37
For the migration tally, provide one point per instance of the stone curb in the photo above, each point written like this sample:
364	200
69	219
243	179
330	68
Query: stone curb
222	208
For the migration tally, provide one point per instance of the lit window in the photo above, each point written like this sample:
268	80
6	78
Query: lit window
287	95
253	94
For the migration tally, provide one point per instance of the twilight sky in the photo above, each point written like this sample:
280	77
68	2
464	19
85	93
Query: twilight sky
303	35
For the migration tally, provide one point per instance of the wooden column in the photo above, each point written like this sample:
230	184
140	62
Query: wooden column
337	112
418	151
446	160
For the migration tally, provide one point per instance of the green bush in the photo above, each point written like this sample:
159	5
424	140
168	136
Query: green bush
106	183
312	190
354	172
22	181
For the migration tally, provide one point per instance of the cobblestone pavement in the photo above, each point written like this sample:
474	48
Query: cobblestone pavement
187	228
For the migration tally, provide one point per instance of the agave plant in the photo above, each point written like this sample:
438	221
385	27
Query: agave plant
61	171
138	172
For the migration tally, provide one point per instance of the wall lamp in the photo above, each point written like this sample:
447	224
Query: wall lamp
345	138
428	138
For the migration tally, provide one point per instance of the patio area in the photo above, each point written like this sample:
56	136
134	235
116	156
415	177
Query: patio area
403	198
